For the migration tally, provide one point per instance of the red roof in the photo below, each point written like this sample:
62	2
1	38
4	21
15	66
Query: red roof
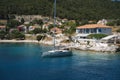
2	26
56	30
93	26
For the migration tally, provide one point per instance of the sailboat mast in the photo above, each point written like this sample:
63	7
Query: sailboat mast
54	20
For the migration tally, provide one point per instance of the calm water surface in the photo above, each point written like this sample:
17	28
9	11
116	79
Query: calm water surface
24	62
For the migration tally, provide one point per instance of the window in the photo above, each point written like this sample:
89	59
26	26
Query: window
99	30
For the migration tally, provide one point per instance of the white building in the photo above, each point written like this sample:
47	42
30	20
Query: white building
103	21
94	29
3	28
82	32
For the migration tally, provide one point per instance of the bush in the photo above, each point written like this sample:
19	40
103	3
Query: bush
15	34
2	34
114	23
40	37
111	23
97	36
118	30
37	30
30	32
13	23
20	36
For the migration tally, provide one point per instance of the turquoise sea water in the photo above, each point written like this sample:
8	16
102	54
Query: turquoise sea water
22	61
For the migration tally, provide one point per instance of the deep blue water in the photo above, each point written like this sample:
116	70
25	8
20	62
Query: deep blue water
24	62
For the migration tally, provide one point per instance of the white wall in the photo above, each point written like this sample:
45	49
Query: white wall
107	31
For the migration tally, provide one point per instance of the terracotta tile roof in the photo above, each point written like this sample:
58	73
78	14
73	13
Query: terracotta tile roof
93	26
56	30
2	26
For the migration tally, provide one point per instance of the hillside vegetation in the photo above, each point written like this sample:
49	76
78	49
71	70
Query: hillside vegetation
71	9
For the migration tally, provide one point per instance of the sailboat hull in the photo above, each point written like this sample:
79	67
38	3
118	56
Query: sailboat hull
57	53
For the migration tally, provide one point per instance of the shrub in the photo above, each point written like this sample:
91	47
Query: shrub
15	34
97	36
118	30
2	34
40	37
37	30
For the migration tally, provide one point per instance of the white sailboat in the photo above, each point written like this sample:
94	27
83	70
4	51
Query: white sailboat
56	52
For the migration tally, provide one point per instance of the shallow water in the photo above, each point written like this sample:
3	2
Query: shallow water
24	62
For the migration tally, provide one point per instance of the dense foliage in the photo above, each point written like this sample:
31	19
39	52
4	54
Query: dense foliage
15	34
40	22
71	27
118	30
71	9
97	36
13	23
2	34
39	30
114	23
40	37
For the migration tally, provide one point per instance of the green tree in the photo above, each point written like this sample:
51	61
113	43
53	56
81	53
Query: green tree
111	23
71	29
39	37
74	9
40	22
15	34
83	22
22	21
2	34
118	22
118	30
114	23
13	23
44	30
37	30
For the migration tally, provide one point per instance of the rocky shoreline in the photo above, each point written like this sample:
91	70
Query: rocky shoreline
97	47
